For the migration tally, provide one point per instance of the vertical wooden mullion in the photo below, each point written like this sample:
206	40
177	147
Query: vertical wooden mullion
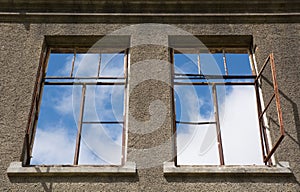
73	63
33	115
39	96
219	138
260	122
124	129
99	65
172	61
225	62
78	139
279	112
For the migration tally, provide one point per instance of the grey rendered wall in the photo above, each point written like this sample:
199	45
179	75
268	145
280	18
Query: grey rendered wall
20	48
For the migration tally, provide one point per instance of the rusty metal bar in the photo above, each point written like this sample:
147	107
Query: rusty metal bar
73	63
124	130
218	129
174	127
263	68
32	117
269	155
278	107
196	123
276	91
54	77
102	122
35	92
225	63
82	83
99	65
261	132
78	139
266	108
214	83
25	157
201	76
265	139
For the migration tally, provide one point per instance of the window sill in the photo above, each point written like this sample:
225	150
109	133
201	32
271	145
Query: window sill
282	168
16	169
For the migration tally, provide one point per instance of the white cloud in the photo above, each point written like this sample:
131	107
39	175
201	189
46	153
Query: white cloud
53	146
104	103
63	103
239	129
86	65
98	146
57	146
191	145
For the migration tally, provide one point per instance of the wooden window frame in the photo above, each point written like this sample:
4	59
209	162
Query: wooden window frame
267	153
42	80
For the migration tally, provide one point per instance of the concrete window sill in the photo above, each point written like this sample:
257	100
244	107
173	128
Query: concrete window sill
16	169
282	168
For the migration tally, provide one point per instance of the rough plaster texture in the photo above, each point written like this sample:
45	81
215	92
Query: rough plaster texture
20	48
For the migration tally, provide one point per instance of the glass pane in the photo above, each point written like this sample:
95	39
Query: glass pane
185	63
112	65
104	103
197	145
193	103
239	126
86	65
57	126
101	144
238	64
212	64
60	64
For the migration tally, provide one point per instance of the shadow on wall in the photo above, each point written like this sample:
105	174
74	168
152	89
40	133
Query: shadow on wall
294	111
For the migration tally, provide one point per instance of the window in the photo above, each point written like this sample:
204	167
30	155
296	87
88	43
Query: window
219	114
77	116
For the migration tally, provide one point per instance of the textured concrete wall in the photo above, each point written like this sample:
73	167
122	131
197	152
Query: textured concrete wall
20	48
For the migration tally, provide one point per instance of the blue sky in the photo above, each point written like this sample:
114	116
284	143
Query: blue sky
102	144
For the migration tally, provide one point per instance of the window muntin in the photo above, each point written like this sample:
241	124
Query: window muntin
231	134
82	106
